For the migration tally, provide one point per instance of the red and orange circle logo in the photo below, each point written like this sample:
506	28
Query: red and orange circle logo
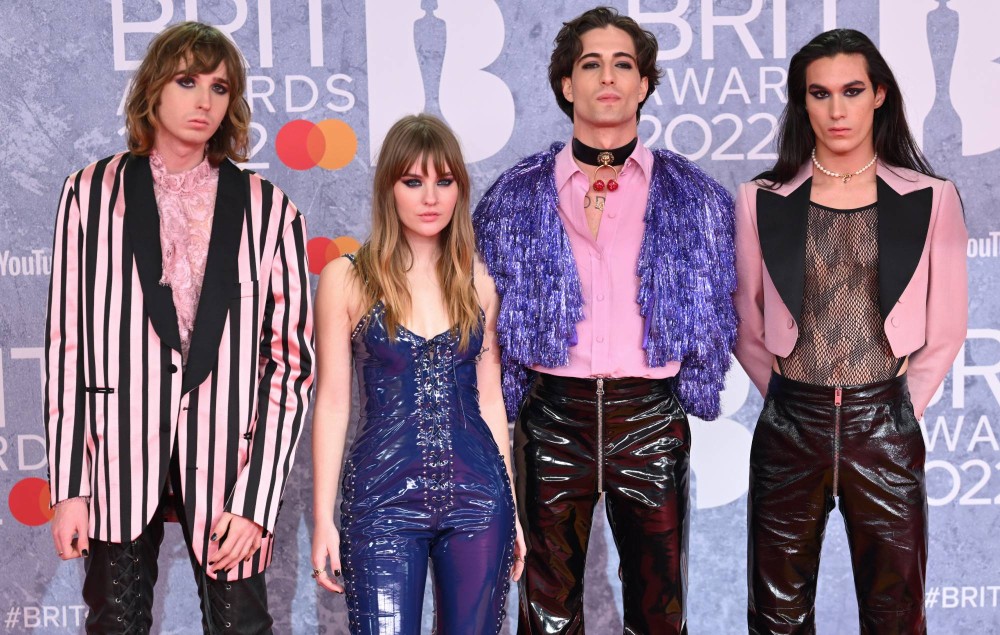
29	502
322	250
330	144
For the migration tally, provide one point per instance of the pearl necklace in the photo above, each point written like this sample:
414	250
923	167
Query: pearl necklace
847	177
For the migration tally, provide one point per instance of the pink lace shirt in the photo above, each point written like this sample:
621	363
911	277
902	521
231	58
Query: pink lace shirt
186	202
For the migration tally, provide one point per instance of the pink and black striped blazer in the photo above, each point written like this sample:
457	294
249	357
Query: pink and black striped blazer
117	401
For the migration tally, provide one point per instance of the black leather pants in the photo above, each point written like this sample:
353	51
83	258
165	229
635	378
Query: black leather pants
861	447
631	443
118	587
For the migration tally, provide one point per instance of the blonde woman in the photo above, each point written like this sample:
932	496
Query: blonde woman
426	481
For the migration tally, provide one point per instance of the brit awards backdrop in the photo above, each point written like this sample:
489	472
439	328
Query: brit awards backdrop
327	79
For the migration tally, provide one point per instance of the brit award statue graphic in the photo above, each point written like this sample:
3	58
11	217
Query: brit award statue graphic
440	57
430	34
943	126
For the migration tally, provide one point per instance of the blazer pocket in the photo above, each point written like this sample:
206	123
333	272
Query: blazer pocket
246	289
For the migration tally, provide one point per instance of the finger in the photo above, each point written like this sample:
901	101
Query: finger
254	548
517	570
223	554
64	545
82	543
330	584
240	551
235	546
247	552
519	554
82	539
221	527
68	544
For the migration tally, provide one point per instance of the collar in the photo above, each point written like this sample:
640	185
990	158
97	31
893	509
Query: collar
566	167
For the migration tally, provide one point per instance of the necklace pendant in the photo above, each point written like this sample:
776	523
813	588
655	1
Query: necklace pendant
606	158
847	177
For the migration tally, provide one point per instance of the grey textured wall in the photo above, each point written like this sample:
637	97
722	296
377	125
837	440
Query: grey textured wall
358	65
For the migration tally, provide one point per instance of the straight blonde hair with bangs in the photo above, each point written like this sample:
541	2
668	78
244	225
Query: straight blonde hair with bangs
384	259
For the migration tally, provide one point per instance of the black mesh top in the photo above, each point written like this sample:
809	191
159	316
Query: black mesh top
841	336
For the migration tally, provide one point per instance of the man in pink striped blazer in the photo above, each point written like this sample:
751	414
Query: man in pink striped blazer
178	347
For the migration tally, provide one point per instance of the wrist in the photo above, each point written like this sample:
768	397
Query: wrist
83	499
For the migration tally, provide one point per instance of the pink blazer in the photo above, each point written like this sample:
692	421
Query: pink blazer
923	288
118	402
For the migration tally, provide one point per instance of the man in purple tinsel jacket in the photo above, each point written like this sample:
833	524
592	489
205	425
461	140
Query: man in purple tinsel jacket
615	270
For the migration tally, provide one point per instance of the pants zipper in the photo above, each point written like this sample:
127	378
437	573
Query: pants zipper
600	436
837	398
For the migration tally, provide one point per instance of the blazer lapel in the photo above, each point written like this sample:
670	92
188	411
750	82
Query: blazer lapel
142	225
903	223
221	274
781	225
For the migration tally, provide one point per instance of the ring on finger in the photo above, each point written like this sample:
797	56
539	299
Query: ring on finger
318	572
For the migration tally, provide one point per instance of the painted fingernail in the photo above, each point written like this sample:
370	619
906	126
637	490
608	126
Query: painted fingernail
214	536
211	562
85	553
336	572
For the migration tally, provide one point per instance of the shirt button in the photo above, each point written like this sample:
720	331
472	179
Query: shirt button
894	321
172	368
600	338
612	215
791	323
600	297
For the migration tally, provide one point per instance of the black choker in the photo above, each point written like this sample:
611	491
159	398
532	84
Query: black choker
592	156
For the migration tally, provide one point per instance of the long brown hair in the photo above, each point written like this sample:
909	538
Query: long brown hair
384	259
195	48
892	138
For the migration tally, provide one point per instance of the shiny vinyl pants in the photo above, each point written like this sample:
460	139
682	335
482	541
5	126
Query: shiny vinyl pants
628	439
861	447
119	581
468	541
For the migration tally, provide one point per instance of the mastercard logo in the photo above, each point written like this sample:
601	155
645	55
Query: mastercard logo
322	250
29	502
302	145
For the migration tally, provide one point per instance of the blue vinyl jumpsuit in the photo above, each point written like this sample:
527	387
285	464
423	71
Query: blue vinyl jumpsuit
424	479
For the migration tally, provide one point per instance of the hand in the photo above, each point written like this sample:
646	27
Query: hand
326	545
240	539
520	552
69	528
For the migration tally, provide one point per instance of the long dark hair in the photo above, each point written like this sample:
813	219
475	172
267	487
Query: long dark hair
893	140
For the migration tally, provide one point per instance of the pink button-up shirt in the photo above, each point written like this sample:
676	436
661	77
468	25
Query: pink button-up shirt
609	338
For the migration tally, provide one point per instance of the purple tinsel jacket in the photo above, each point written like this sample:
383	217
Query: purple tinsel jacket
686	271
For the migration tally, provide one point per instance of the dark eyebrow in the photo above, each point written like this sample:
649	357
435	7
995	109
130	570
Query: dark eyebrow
853	84
613	56
187	73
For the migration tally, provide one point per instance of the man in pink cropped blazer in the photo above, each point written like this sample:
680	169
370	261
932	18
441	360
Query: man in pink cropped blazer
852	297
922	274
